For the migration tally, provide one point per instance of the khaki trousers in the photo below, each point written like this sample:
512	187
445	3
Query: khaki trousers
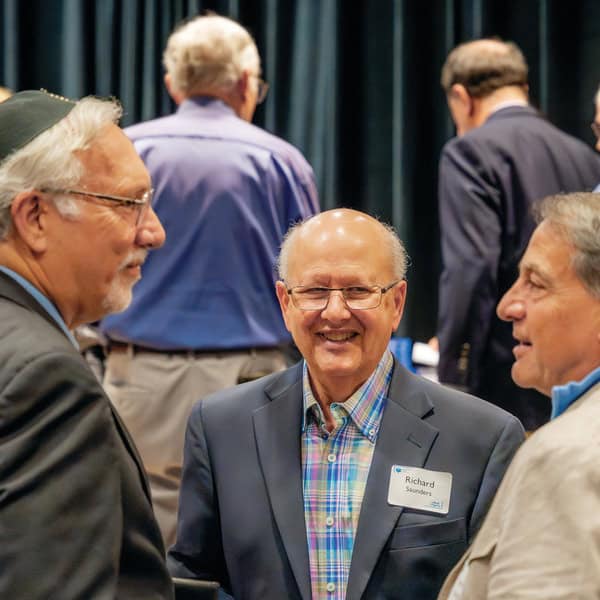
154	394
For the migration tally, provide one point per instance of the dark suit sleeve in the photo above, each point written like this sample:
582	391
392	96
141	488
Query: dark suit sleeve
198	551
471	231
60	519
508	442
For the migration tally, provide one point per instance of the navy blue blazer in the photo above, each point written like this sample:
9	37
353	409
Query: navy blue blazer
488	180
241	510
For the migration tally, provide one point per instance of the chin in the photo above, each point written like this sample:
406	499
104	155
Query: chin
117	301
523	380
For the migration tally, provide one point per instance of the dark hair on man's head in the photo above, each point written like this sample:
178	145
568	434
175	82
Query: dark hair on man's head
483	66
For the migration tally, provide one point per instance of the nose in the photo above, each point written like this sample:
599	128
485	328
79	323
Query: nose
510	307
150	232
336	309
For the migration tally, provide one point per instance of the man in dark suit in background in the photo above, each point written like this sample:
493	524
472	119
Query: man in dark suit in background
345	476
76	518
505	157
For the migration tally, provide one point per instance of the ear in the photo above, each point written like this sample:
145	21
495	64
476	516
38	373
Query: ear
399	298
458	93
29	213
284	301
242	85
177	97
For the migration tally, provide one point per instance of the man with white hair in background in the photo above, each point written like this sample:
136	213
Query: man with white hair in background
75	227
205	316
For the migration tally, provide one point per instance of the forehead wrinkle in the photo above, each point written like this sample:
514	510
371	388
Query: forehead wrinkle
548	254
350	236
348	274
103	168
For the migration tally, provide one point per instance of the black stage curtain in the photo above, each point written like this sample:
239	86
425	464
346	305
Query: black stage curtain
354	84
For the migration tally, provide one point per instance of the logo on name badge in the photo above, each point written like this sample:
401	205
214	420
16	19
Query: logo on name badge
420	489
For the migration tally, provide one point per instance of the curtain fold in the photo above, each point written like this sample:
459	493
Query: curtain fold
354	85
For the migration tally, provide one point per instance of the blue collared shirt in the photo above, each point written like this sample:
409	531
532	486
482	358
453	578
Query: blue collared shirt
41	299
226	192
564	395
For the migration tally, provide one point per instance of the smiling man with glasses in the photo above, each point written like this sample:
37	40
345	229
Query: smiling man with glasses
205	316
345	476
76	225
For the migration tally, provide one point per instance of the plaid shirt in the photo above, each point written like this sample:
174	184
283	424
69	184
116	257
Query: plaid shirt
335	467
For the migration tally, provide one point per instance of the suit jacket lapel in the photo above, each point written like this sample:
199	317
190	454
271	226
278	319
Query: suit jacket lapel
405	439
277	427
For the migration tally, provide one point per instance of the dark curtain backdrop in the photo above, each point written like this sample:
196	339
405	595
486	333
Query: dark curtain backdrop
354	84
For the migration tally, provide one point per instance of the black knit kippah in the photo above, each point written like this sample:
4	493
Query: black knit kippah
26	115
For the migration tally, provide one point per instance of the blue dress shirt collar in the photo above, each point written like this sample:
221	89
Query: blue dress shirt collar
42	300
564	395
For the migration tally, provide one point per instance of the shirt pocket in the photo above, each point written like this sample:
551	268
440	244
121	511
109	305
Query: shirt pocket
429	534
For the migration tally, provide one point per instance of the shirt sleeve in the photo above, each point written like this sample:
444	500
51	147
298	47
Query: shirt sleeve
548	546
293	185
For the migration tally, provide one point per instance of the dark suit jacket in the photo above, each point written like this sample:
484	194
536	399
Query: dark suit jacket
241	512
489	179
76	519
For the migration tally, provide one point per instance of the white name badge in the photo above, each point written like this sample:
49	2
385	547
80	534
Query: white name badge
420	489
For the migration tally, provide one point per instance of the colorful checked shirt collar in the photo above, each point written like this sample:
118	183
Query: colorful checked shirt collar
365	406
564	395
335	467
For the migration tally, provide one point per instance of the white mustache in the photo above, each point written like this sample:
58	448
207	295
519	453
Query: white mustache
137	256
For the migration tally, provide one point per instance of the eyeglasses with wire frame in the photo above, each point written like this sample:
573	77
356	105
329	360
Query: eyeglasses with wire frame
356	297
261	90
140	206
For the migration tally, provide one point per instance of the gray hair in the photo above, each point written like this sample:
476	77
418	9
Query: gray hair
577	217
49	160
398	255
209	52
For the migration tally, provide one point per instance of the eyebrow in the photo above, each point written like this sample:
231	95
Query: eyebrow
532	267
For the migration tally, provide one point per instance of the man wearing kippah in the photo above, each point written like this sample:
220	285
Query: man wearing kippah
76	225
